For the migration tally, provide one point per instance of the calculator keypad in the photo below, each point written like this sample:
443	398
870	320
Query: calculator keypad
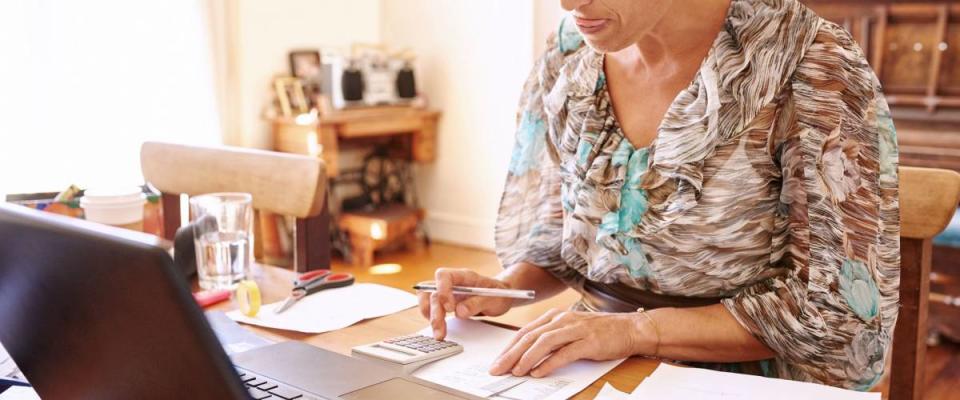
423	344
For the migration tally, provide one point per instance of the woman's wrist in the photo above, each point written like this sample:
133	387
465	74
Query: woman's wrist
646	334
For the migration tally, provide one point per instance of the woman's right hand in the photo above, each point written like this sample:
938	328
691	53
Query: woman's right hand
435	306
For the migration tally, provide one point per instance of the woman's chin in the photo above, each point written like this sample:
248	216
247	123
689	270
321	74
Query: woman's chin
603	44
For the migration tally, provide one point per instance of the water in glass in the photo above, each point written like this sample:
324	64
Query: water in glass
222	259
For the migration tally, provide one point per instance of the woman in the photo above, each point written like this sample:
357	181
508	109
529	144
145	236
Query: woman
717	178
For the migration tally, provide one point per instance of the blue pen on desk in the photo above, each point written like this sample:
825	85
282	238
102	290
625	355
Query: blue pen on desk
479	291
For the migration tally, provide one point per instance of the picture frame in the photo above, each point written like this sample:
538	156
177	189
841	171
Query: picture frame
290	96
307	65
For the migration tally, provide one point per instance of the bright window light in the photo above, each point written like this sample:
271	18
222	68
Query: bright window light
84	83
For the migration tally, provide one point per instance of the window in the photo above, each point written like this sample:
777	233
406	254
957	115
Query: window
84	83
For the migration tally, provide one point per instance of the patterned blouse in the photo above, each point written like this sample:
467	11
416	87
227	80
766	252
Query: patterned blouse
772	183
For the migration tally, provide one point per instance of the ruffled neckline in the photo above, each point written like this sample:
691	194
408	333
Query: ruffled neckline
727	93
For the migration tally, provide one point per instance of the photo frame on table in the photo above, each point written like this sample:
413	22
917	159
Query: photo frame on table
307	65
290	96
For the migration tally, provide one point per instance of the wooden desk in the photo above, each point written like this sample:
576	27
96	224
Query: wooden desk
323	137
275	285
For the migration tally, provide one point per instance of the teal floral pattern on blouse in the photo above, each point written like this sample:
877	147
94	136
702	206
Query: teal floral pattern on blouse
859	289
636	259
569	39
583	150
865	350
531	140
633	199
633	204
888	143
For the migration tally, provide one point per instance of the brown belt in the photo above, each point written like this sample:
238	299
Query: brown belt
618	297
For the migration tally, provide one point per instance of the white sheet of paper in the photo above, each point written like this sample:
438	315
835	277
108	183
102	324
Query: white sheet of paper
482	343
19	393
673	382
7	367
332	309
608	392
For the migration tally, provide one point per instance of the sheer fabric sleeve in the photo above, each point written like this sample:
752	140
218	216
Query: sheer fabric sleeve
831	310
529	224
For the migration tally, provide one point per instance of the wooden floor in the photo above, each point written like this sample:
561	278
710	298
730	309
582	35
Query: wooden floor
943	372
943	361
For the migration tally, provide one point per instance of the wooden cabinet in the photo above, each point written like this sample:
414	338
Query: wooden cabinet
324	137
914	47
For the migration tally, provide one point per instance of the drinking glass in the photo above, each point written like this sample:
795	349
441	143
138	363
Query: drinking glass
222	231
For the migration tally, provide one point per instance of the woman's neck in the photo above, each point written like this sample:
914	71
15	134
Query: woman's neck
681	37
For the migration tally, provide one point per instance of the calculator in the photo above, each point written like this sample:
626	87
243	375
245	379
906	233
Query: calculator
409	352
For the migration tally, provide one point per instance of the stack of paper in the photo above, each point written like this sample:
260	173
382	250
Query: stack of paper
332	309
671	382
482	343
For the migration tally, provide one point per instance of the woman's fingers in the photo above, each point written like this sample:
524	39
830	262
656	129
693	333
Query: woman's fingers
476	305
447	278
444	280
437	317
541	321
557	339
546	343
470	307
435	306
566	355
423	298
508	360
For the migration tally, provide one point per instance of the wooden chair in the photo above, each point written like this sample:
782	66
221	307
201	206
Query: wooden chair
928	199
281	183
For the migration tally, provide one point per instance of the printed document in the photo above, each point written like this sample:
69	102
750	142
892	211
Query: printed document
482	344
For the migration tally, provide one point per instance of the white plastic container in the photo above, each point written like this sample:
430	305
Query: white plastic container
119	207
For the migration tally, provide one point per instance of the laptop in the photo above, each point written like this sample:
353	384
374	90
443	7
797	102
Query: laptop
91	311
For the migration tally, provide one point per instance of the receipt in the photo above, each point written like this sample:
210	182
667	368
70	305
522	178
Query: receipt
473	379
535	389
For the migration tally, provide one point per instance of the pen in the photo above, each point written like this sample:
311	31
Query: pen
478	291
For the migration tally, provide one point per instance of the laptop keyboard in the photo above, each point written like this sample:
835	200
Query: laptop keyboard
262	388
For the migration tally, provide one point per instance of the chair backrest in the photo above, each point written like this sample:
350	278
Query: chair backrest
281	183
928	199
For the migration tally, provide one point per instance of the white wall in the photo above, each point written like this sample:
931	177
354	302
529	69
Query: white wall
268	30
473	60
546	20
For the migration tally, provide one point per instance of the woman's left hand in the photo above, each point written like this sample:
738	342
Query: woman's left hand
562	337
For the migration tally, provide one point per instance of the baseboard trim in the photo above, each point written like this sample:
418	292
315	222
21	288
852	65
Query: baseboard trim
460	230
